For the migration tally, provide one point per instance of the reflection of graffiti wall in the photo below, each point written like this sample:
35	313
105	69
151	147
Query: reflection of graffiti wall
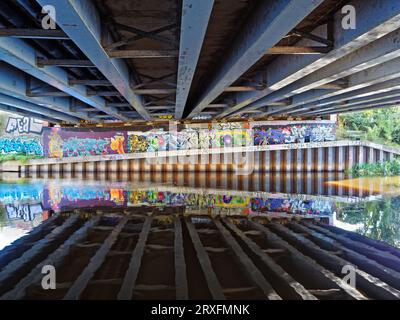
72	142
25	212
293	205
58	197
10	192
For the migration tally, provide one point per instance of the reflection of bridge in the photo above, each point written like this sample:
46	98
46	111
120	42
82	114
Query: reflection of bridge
335	156
113	256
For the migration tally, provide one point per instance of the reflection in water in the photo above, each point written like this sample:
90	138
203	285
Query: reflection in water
385	185
378	219
26	203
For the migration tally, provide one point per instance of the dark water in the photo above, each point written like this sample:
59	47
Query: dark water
26	202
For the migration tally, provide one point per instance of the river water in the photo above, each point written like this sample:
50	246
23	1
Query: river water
369	206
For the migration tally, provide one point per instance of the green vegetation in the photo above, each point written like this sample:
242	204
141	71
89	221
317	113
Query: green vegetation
379	220
376	125
17	157
386	168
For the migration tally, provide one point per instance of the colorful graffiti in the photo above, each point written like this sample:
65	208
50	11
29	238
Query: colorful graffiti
11	192
65	143
72	142
157	141
20	125
137	142
21	145
75	194
292	205
25	212
264	135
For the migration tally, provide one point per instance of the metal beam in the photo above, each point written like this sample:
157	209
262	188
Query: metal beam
129	281
350	109
103	93
145	34
395	99
79	285
27	107
22	56
194	22
372	55
142	54
375	97
33	34
270	22
13	83
130	40
213	283
23	112
89	82
367	66
81	22
242	88
375	19
70	63
154	91
383	87
181	283
298	50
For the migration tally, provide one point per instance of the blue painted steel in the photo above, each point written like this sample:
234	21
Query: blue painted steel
195	17
80	20
30	107
7	108
270	22
22	56
13	83
375	19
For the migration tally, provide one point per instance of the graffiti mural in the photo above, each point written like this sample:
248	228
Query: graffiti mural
137	142
61	143
61	196
25	212
294	133
20	125
292	205
25	145
157	141
73	142
11	192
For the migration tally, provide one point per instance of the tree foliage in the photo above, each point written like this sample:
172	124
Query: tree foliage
380	125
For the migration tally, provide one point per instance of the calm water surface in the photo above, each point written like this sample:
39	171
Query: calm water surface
370	206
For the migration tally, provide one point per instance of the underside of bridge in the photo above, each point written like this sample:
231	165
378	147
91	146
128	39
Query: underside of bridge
188	60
